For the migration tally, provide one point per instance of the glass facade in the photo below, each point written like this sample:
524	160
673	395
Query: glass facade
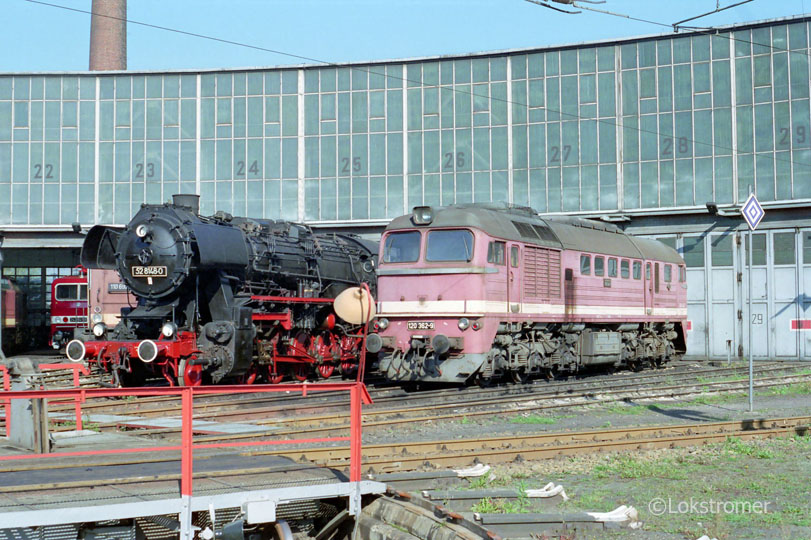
648	124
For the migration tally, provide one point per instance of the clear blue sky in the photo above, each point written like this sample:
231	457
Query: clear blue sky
35	37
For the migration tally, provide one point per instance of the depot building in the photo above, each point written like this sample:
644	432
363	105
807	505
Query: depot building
663	135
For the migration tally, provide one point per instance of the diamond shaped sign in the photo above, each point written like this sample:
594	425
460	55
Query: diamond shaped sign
752	212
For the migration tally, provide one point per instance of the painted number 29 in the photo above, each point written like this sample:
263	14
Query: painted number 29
757	318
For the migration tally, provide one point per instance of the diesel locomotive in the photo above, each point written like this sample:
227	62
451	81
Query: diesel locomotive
223	298
476	292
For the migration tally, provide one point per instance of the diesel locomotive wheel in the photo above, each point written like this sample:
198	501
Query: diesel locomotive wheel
189	374
519	376
326	370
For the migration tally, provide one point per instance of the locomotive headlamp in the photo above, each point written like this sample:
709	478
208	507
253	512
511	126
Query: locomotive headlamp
97	318
99	329
142	230
423	215
168	329
382	324
463	323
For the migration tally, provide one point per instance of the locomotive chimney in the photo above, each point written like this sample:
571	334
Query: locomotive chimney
188	200
108	35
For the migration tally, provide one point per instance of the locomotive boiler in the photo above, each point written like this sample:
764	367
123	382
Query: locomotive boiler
224	298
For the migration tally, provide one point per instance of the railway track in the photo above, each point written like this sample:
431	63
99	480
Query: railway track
411	456
386	397
288	418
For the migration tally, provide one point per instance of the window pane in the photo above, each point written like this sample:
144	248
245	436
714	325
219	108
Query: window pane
454	245
668	273
599	266
722	250
612	267
402	247
625	269
585	265
759	250
784	248
495	253
807	247
637	270
693	251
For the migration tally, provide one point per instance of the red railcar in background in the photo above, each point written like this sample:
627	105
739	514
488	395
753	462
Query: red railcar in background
12	317
68	308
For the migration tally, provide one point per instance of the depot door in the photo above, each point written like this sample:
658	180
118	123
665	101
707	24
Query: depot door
514	279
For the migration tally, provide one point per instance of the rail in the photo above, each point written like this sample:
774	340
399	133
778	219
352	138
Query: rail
358	395
76	368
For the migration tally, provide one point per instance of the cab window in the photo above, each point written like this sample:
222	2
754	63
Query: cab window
71	291
514	256
647	271
452	245
625	269
585	265
682	274
668	273
402	247
599	266
612	267
637	270
495	253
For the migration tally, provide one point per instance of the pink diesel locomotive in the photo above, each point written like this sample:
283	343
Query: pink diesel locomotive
474	292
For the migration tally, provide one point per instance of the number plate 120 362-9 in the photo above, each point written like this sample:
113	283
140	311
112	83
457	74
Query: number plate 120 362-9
420	325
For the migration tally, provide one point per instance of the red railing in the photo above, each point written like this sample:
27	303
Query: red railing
77	368
357	393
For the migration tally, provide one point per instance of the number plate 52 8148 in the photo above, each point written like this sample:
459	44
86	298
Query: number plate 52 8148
420	325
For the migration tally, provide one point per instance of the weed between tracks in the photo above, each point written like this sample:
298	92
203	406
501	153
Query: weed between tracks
774	471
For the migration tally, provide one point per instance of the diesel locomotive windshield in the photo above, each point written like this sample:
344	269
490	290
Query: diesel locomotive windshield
401	247
450	245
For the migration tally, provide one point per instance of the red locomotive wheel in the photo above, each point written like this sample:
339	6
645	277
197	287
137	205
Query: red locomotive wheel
189	375
300	371
326	370
348	366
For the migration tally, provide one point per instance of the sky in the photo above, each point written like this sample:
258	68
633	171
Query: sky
37	37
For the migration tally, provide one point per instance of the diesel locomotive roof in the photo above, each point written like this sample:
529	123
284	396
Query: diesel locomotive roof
522	224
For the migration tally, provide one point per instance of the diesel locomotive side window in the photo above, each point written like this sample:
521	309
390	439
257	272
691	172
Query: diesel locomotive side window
625	269
585	265
514	256
682	274
647	271
495	253
612	267
637	270
453	245
599	266
402	247
668	273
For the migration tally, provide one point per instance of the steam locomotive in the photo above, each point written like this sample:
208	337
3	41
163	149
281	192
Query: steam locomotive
226	298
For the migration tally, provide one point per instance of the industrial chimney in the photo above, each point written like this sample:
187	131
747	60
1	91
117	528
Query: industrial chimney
108	35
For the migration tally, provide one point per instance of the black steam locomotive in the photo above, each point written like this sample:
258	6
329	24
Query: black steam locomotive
226	298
